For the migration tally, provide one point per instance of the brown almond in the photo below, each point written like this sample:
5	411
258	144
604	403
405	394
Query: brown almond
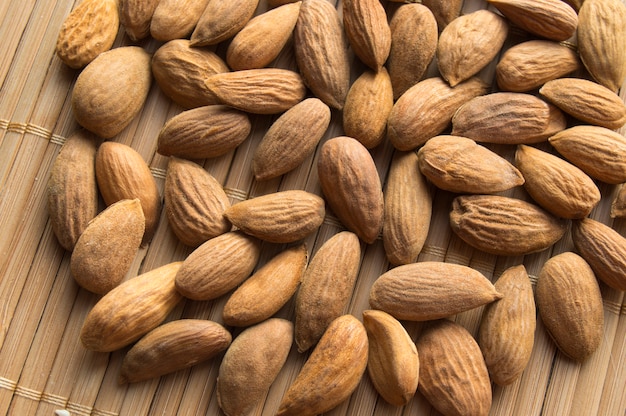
444	11
221	20
135	16
618	205
365	24
176	19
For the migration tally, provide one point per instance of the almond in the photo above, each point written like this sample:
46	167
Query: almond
135	16
365	24
222	20
444	11
176	19
618	205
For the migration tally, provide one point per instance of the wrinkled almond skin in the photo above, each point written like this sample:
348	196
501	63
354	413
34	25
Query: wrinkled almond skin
408	209
453	374
87	31
268	289
135	16
601	37
426	109
393	360
504	226
173	346
413	45
279	217
104	110
122	173
430	290
170	23
194	203
587	101
555	184
72	189
365	24
218	266
570	305
507	330
530	64
107	247
459	164
444	11
222	20
291	139
321	50
604	249
326	287
469	43
180	71
618	205
131	310
332	371
351	186
251	364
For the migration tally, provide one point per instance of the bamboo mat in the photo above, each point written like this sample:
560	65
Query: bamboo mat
43	366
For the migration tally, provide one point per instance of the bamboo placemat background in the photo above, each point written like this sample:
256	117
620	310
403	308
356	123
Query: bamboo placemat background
43	366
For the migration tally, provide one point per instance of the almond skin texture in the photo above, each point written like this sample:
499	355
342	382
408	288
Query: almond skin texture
180	71
263	38
131	310
135	16
618	205
106	111
268	289
517	227
321	50
107	247
604	249
327	285
430	290
444	11
393	360
291	139
351	186
570	305
507	330
332	371
72	189
598	151
365	23
258	91
413	45
453	374
469	43
222	20
408	209
176	19
279	217
194	203
173	346
203	133
122	173
218	266
587	101
251	364
426	109
458	164
601	37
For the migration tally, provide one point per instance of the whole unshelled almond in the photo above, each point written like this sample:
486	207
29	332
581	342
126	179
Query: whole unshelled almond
326	287
218	266
365	23
278	217
507	329
131	310
570	305
176	19
221	20
87	31
504	226
426	109
453	374
105	110
459	164
587	101
393	360
194	203
555	184
601	37
430	290
444	11
72	189
173	346
321	50
122	173
469	43
180	71
258	91
351	186
107	247
332	371
135	16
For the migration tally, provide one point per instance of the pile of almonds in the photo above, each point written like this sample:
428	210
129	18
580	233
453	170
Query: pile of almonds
555	103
